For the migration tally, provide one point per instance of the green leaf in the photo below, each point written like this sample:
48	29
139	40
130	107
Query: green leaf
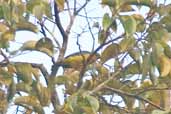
107	21
156	53
110	3
6	11
11	91
94	103
71	104
46	46
135	54
129	24
132	69
102	36
141	25
47	10
60	80
167	51
141	2
147	63
160	112
110	52
39	8
127	44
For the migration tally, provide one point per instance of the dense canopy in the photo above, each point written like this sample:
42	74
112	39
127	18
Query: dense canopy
94	57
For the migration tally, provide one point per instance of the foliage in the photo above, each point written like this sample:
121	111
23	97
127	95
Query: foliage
130	59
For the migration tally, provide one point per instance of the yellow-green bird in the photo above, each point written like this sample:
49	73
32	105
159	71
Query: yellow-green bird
77	60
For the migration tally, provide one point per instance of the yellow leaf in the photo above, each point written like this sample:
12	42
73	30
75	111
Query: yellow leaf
110	52
3	103
138	17
23	87
24	72
25	25
146	84
36	73
38	11
11	68
165	65
3	27
29	45
8	35
28	100
72	74
126	8
5	77
103	71
43	94
60	4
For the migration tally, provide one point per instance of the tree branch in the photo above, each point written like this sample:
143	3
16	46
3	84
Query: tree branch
91	56
119	92
58	22
43	71
90	29
77	11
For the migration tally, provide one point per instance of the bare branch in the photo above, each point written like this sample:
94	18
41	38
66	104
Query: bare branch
119	92
90	29
55	39
42	28
43	70
112	106
58	22
76	12
5	61
91	56
151	89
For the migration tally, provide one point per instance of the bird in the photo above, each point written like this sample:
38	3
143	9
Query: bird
78	59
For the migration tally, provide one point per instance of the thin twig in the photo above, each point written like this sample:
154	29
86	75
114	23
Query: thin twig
119	92
75	3
150	89
55	39
91	56
113	106
6	60
90	29
42	28
43	70
58	22
86	2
